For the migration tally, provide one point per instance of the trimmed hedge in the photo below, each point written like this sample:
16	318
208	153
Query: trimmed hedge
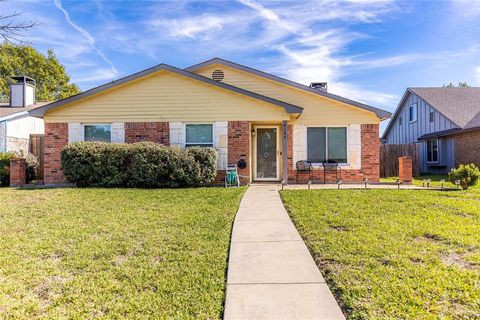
143	164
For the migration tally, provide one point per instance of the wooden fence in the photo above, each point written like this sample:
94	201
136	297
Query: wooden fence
389	154
36	148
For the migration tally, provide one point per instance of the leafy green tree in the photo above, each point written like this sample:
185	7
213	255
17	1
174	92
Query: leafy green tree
53	82
460	85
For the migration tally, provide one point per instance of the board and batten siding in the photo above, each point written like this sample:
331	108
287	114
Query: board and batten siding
409	132
164	97
317	109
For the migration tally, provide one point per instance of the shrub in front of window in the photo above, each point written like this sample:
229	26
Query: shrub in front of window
467	174
5	167
144	164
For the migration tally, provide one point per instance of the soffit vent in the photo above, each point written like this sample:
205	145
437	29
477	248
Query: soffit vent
218	75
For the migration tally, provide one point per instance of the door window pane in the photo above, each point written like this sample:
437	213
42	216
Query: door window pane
98	132
316	145
199	135
337	145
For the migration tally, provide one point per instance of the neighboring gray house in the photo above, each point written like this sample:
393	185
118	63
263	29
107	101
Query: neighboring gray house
445	122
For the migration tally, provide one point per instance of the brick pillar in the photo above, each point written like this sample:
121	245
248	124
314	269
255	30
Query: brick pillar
405	166
370	151
56	137
18	172
239	146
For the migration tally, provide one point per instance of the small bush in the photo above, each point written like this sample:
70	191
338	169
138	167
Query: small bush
144	164
31	163
5	167
468	175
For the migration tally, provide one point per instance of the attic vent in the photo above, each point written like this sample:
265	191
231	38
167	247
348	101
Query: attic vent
218	75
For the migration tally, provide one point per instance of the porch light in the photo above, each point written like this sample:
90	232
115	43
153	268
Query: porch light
339	183
365	181
253	132
457	183
309	184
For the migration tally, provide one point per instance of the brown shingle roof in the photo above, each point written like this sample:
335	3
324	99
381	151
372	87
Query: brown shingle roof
6	110
460	105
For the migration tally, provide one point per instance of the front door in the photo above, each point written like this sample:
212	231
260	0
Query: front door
266	153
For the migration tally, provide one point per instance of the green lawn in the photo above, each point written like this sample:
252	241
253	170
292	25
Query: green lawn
435	180
115	253
395	254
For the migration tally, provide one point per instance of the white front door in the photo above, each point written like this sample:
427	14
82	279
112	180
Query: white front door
267	164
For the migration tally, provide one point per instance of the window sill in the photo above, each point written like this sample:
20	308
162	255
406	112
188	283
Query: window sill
320	165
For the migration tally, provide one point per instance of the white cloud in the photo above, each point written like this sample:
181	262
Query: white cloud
98	75
477	74
192	27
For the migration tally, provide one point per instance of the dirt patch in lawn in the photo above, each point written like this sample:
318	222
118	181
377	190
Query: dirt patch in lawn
456	260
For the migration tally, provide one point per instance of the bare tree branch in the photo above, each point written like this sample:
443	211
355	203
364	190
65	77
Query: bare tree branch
11	30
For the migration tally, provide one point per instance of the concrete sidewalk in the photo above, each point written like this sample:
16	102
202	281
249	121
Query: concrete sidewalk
271	274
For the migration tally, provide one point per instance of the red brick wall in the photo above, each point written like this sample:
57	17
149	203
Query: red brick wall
56	137
18	172
147	131
239	146
370	162
467	148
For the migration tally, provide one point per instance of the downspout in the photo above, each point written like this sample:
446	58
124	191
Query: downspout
284	154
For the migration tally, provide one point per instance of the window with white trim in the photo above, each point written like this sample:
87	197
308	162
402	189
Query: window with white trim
412	113
327	144
98	132
432	150
199	135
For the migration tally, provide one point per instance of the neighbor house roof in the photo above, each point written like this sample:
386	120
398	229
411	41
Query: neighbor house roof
460	105
6	111
39	112
382	114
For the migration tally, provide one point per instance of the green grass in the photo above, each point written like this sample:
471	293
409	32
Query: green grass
395	254
435	180
115	253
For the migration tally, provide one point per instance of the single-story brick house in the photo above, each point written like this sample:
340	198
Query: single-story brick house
267	121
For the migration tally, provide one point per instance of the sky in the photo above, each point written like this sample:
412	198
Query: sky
369	51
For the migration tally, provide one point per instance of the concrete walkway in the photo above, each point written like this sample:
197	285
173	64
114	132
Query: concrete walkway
271	274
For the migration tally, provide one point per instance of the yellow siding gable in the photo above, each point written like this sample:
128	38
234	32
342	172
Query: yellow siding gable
167	96
318	110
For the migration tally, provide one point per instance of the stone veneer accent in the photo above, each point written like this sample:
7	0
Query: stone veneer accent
56	137
467	148
239	146
18	172
147	131
370	158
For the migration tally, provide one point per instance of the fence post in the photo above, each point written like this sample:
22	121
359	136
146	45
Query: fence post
18	172
405	170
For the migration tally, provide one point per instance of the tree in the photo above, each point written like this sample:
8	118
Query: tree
53	83
10	30
460	85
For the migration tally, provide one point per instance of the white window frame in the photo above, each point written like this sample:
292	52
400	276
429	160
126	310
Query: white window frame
96	124
326	143
186	144
438	151
413	105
